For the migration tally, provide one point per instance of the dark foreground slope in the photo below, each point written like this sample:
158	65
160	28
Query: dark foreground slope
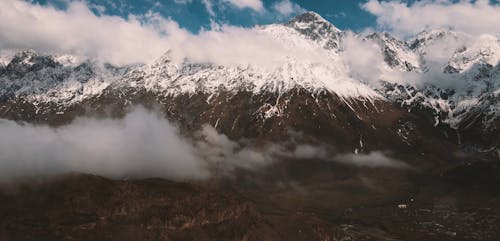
291	201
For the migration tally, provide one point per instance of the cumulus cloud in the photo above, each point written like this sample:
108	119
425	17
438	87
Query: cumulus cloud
287	8
255	5
405	18
283	7
79	31
252	4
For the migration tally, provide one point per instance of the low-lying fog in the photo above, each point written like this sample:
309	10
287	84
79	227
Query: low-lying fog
143	144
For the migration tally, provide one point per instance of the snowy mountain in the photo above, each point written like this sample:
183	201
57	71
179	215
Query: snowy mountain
438	82
316	28
396	53
460	79
54	79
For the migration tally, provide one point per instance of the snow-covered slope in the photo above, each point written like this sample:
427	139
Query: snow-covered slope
461	73
396	53
42	78
455	76
316	28
65	80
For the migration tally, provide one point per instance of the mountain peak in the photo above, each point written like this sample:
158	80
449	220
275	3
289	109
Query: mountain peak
397	54
25	55
428	36
311	18
5	59
307	17
316	28
27	61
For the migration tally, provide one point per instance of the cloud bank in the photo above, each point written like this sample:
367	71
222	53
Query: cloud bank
141	144
368	68
140	39
143	38
235	46
405	19
145	144
79	31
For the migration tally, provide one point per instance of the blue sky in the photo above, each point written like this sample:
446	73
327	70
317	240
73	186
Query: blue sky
193	15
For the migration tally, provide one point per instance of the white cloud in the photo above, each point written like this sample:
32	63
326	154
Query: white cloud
235	46
226	155
287	8
372	69
142	144
138	39
79	31
256	5
404	19
183	1
367	68
372	159
309	151
209	7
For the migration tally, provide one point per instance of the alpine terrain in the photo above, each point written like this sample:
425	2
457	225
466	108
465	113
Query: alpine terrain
405	148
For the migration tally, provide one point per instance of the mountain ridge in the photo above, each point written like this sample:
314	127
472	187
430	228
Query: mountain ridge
56	83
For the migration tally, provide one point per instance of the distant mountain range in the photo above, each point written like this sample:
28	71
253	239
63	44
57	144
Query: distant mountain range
440	89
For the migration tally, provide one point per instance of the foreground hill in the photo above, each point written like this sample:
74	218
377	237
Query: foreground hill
346	204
